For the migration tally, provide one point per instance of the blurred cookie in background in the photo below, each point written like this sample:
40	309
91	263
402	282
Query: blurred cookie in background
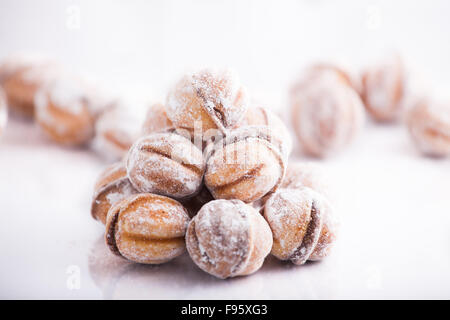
116	129
156	120
66	110
428	123
384	89
21	76
326	111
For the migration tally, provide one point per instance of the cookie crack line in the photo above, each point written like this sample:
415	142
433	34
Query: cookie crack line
310	239
110	235
231	139
107	187
215	113
149	238
219	113
247	176
203	254
195	169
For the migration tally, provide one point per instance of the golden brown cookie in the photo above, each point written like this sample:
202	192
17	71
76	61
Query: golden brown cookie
207	100
301	223
115	131
111	187
429	127
65	111
166	163
228	238
384	90
327	236
147	228
156	120
246	165
326	112
21	76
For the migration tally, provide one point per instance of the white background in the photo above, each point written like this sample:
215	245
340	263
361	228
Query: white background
394	205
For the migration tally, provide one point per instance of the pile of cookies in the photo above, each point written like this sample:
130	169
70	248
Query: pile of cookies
209	175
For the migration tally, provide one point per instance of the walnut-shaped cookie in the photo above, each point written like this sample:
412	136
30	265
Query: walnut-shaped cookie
228	238
428	123
384	89
21	76
111	187
327	114
115	131
147	228
246	165
207	100
166	163
302	225
66	110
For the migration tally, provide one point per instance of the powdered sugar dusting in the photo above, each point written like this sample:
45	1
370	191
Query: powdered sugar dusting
120	193
68	95
279	129
328	234
156	218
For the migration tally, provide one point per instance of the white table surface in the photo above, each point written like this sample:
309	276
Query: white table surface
394	205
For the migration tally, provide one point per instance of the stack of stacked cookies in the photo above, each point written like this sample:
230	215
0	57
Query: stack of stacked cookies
209	175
